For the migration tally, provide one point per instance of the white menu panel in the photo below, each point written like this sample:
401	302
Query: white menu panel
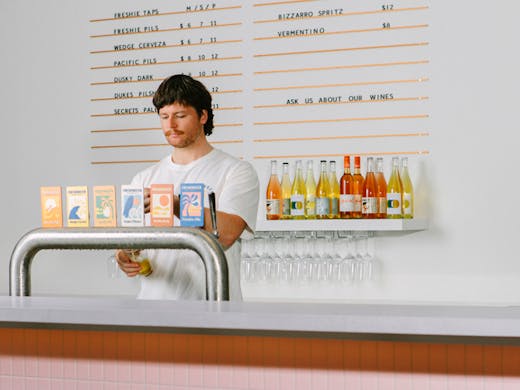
289	79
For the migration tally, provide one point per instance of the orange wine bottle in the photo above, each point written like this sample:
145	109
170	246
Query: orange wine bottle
346	199
357	188
369	208
273	195
381	188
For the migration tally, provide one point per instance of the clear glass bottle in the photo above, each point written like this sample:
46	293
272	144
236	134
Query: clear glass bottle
322	193
380	188
346	201
369	199
286	191
334	191
394	192
408	198
298	193
273	195
310	192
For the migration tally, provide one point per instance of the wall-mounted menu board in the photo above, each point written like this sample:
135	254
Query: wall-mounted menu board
289	79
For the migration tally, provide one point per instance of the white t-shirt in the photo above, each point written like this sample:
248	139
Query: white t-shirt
179	273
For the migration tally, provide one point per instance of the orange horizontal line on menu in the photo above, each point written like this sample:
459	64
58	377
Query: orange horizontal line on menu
161	79
169	30
139	97
126	82
382	82
374	118
126	130
405	152
124	162
282	2
133	161
343	102
155	145
289	53
153	112
354	13
165	47
136	64
424	134
167	13
342	32
155	128
337	67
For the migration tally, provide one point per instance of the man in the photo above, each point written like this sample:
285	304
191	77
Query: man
186	116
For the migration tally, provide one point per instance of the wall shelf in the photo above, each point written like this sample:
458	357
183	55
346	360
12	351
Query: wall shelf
414	224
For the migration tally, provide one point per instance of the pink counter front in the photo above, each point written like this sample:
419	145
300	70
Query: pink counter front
48	343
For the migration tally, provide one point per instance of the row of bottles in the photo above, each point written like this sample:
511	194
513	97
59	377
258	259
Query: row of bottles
351	197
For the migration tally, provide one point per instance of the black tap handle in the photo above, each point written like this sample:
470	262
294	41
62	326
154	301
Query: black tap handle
213	211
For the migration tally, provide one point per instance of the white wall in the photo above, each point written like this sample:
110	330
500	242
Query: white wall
468	253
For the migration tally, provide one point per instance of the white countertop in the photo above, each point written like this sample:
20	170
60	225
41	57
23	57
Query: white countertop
365	321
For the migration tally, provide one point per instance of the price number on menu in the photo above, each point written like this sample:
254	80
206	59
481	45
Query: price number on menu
211	73
187	25
187	42
387	7
200	57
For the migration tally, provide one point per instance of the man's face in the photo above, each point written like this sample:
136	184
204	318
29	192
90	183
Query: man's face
181	125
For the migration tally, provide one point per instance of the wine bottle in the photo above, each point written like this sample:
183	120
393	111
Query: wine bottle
310	192
408	198
357	189
298	193
345	191
273	194
380	188
369	199
334	191
394	192
322	193
286	191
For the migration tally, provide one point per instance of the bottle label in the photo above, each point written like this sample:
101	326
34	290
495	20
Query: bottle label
381	205
297	202
346	203
369	205
357	201
393	202
334	206
310	205
322	206
407	204
272	206
286	207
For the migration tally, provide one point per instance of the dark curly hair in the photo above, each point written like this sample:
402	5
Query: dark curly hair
185	90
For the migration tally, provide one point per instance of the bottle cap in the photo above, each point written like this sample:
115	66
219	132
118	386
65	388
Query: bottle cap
346	161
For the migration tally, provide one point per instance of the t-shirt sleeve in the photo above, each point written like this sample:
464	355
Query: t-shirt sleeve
240	194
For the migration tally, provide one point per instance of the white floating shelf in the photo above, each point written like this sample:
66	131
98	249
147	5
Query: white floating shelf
344	225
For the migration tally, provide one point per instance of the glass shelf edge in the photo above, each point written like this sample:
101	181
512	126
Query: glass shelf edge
414	224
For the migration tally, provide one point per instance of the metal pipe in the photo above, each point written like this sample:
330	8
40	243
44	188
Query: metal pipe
201	241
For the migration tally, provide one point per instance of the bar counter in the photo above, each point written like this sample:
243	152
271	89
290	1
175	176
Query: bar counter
382	321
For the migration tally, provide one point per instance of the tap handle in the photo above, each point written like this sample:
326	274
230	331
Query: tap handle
213	211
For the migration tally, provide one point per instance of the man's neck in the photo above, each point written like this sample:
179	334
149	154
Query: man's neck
183	156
